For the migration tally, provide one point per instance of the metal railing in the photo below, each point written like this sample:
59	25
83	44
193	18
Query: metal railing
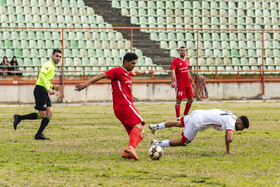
196	68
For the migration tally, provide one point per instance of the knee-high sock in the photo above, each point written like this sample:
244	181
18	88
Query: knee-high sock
44	123
139	139
31	116
177	109
187	109
134	137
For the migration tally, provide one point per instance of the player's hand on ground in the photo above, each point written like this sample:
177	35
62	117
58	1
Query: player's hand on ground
57	88
80	86
51	92
173	84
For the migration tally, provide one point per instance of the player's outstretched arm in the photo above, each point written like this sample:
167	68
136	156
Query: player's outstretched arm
81	86
142	72
228	140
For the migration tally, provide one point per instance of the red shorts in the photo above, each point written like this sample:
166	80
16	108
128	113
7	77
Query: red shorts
129	116
184	92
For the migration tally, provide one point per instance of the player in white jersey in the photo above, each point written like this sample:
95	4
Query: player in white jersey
200	120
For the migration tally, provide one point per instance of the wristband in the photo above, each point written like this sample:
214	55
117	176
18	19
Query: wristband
53	88
147	72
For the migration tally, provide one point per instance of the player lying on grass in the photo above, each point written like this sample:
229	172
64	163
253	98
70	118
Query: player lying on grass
200	120
123	100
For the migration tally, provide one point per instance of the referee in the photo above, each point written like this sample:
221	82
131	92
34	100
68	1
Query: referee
41	92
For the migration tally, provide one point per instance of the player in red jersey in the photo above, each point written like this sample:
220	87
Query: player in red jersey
123	100
182	82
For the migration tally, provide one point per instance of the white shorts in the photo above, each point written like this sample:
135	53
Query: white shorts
190	129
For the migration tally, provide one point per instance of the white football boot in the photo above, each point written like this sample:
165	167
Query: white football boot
153	128
154	142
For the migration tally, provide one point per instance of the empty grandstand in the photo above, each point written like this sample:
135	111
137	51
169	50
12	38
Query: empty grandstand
230	39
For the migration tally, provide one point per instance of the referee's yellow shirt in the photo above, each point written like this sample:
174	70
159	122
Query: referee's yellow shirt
46	75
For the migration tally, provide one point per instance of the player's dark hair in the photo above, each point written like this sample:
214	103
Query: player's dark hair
245	121
129	57
56	51
182	47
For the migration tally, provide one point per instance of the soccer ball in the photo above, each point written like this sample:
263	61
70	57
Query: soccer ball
155	152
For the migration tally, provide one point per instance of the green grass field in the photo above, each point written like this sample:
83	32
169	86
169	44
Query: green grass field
87	142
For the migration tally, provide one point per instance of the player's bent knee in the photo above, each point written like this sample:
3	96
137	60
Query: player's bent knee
49	114
42	115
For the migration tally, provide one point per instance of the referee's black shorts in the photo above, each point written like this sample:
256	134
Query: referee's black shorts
42	98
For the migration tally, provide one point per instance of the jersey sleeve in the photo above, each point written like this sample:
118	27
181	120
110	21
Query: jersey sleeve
112	73
230	124
130	73
173	65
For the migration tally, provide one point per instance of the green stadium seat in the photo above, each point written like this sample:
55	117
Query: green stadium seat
24	44
142	4
252	61
250	44
234	53
18	52
15	35
217	53
219	61
226	53
115	4
6	35
3	2
2	52
151	5
242	44
8	44
233	44
43	53
142	12
243	53
276	52
33	44
251	53
9	53
210	61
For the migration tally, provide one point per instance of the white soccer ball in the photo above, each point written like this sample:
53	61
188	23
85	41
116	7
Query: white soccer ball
155	152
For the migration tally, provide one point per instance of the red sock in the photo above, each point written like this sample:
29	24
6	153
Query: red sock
139	139
134	136
177	109
187	109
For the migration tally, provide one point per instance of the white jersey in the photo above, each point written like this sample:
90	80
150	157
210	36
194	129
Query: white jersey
215	118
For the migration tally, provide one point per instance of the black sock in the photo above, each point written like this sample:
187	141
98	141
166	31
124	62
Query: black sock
31	116
44	123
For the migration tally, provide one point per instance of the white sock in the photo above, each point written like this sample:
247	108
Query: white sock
161	125
163	143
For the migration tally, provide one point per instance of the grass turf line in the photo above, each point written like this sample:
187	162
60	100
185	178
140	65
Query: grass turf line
87	142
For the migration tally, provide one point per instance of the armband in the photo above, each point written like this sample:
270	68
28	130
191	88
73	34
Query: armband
147	72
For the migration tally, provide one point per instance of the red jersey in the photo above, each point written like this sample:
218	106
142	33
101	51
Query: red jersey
181	68
121	86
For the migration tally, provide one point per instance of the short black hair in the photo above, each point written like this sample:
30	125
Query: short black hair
182	47
245	121
129	57
56	51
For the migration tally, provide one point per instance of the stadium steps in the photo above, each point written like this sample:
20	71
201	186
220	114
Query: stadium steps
140	40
